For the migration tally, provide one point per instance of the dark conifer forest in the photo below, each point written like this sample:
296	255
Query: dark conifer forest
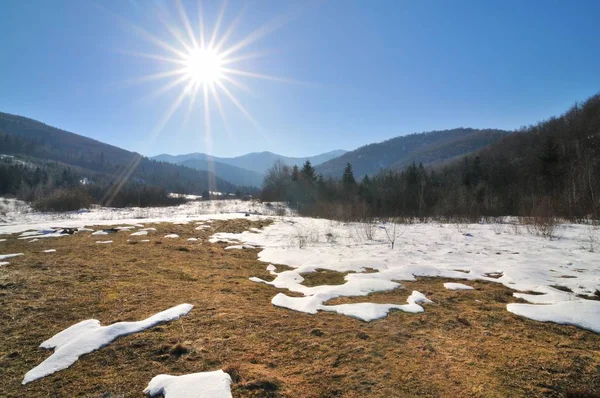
551	169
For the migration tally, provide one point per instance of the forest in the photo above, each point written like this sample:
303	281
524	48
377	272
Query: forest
551	169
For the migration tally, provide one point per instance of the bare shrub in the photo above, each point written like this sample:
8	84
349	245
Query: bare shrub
365	229
592	237
391	227
64	200
543	221
306	236
542	226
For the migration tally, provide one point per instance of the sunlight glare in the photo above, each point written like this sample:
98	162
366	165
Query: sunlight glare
203	66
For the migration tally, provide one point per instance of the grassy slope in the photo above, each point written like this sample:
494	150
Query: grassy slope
457	347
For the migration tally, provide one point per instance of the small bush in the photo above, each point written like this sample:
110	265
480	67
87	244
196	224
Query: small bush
64	200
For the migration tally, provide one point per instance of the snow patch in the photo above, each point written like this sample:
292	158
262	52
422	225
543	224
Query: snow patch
87	336
50	251
582	313
171	236
215	384
6	256
139	233
457	286
104	242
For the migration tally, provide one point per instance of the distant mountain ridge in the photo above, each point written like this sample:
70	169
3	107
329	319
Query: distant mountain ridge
257	162
40	141
427	148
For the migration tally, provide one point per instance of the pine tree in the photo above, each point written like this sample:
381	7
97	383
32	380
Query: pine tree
308	172
348	178
295	173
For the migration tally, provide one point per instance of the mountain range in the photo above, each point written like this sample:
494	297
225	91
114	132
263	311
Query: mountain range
247	169
191	173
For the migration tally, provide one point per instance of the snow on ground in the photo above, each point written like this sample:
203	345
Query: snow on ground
139	233
104	242
4	263
215	384
87	336
17	216
7	256
50	251
522	262
171	236
2	240
192	239
239	247
457	286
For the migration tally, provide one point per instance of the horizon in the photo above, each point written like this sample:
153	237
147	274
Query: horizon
304	83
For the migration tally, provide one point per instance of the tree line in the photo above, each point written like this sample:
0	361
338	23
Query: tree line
551	169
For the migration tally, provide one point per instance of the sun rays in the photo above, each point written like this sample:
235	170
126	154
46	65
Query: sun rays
207	67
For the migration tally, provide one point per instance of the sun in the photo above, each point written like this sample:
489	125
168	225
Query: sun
203	66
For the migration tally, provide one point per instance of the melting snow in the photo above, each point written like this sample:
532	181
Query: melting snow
87	336
4	263
6	256
582	313
457	286
104	242
521	262
215	384
192	239
171	236
50	251
239	247
139	233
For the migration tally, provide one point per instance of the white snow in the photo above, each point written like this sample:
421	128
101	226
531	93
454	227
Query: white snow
2	240
99	233
21	217
240	247
192	239
370	311
4	263
215	384
582	313
145	240
149	229
139	233
104	242
457	286
87	336
50	251
201	227
171	236
522	262
6	256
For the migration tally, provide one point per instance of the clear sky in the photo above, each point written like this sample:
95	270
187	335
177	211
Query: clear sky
361	71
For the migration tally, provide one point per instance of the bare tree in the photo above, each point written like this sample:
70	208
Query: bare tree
391	227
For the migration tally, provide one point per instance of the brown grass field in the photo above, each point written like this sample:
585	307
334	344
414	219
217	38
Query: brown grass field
464	345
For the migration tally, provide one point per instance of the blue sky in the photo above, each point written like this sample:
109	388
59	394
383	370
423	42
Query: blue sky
363	71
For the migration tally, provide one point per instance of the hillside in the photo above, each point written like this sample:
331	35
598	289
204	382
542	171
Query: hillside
31	138
232	174
397	153
258	162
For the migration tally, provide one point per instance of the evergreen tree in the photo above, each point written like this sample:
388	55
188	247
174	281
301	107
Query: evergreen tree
348	178
295	173
308	172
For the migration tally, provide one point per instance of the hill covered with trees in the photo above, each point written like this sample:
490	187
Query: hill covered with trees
40	158
548	169
397	153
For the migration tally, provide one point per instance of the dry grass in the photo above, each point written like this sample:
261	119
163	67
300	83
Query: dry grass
466	344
